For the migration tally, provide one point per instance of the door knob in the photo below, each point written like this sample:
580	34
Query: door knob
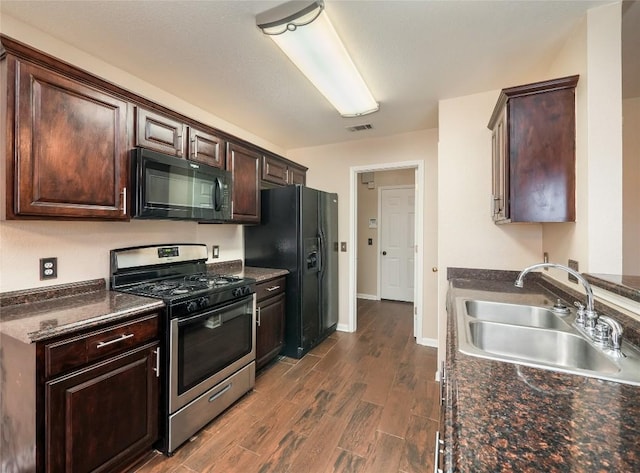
384	253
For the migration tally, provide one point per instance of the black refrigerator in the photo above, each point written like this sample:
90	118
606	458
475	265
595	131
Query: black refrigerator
299	232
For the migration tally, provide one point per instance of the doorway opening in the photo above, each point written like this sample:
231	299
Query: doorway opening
356	180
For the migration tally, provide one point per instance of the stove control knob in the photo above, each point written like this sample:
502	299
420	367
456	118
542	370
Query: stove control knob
237	292
192	306
203	302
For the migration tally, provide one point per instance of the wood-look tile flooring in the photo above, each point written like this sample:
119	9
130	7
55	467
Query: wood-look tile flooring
359	402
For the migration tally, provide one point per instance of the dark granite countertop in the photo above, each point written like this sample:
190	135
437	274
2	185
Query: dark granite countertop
41	314
235	268
622	285
504	417
263	274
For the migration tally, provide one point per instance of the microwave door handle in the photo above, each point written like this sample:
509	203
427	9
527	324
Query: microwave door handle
217	195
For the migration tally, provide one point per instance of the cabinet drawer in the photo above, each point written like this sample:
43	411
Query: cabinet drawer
270	288
77	351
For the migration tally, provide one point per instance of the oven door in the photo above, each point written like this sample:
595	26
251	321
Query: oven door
208	347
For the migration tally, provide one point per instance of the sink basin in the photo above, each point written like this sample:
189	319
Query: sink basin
534	336
551	347
514	314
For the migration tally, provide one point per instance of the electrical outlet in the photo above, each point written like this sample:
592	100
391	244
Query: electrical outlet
545	259
573	264
370	241
48	268
215	251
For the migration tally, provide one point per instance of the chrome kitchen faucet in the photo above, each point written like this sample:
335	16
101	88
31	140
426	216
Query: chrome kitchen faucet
603	330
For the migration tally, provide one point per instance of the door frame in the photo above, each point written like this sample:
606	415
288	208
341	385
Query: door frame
379	260
418	269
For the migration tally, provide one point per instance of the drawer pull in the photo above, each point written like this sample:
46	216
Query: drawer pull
220	393
258	316
116	340
272	288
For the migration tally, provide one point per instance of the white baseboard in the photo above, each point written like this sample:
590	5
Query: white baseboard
369	297
428	342
343	328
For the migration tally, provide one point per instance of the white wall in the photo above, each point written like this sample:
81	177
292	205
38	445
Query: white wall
467	236
569	240
631	186
595	240
330	169
83	248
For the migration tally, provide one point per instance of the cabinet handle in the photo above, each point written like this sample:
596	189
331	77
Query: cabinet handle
178	143
272	288
436	460
258	316
157	368
194	148
443	379
115	340
124	200
286	175
497	207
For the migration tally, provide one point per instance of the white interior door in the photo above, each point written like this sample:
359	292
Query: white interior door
397	245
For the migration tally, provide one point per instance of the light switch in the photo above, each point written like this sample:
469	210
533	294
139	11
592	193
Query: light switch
343	246
215	251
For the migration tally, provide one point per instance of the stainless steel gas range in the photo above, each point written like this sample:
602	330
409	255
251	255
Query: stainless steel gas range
209	334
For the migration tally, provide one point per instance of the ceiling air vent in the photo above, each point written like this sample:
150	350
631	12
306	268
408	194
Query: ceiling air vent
368	126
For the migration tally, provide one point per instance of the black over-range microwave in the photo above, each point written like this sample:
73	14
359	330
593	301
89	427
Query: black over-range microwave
166	187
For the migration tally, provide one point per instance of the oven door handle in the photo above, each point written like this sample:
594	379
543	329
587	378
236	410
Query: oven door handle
217	310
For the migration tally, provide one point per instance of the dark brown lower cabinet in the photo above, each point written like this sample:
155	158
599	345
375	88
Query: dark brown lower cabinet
101	417
269	320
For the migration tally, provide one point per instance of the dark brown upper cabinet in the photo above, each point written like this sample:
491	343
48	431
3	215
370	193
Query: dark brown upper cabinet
160	133
281	172
206	148
174	137
533	152
68	136
274	170
297	175
244	164
66	155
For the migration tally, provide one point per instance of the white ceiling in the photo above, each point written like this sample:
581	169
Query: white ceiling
411	53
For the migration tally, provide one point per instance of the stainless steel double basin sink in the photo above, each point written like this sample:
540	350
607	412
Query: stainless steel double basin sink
538	337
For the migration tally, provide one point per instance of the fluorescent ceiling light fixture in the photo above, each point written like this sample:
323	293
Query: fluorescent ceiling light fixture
303	31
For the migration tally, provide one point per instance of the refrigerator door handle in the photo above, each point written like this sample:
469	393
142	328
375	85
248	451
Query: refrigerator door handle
321	254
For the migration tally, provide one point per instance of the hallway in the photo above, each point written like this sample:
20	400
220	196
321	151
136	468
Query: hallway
359	402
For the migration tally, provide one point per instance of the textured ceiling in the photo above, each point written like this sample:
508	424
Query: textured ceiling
411	53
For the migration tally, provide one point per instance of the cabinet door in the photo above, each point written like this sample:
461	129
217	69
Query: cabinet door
104	416
297	176
274	170
270	329
541	131
160	133
500	165
206	148
70	148
244	165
